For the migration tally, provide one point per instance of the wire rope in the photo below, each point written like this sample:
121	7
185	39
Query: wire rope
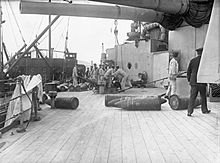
67	33
52	30
13	33
31	36
16	21
59	40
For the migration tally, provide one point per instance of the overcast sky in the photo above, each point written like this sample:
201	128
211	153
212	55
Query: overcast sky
85	34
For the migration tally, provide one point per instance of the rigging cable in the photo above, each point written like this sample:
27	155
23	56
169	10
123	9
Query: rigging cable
13	33
52	30
59	41
62	37
37	28
16	22
67	33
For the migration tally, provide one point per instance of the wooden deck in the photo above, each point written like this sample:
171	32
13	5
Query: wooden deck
95	133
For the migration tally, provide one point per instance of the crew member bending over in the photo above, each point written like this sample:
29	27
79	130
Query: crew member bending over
108	76
119	73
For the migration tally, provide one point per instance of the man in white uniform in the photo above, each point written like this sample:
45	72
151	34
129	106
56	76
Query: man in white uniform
119	73
172	75
108	76
74	76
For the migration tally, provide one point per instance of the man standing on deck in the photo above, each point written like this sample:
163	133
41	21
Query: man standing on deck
196	87
75	75
101	73
87	73
95	73
108	76
124	77
172	75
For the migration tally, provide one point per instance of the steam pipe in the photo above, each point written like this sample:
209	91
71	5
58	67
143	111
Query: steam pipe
87	10
167	6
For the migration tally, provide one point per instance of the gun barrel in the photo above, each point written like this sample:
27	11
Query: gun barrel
88	10
167	6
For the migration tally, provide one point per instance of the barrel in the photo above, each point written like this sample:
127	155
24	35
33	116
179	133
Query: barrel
181	103
66	102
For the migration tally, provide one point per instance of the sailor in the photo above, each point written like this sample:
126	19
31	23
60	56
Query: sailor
108	76
91	71
119	73
87	73
74	76
95	72
196	87
172	75
101	73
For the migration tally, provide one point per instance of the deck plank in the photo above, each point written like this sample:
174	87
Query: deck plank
40	146
168	154
115	150
128	151
190	141
141	152
200	141
167	130
99	134
102	152
156	155
75	125
92	124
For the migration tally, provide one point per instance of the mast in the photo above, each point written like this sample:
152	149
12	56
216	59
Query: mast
1	55
49	39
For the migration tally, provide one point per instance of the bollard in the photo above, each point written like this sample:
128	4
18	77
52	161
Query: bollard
181	103
52	95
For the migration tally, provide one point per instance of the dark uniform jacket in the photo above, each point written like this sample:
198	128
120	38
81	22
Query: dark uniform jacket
193	70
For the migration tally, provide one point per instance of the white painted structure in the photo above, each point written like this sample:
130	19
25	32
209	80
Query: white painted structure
184	40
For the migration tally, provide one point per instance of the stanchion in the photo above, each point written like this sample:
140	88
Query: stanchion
21	128
35	104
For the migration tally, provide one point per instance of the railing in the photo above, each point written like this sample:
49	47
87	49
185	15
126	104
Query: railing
4	106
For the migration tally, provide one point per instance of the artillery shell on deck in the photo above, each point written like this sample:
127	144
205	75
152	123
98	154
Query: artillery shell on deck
181	103
135	103
109	98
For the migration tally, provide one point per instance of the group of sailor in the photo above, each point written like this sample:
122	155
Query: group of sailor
104	74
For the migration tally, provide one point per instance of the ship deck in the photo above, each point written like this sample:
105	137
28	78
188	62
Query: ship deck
95	133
